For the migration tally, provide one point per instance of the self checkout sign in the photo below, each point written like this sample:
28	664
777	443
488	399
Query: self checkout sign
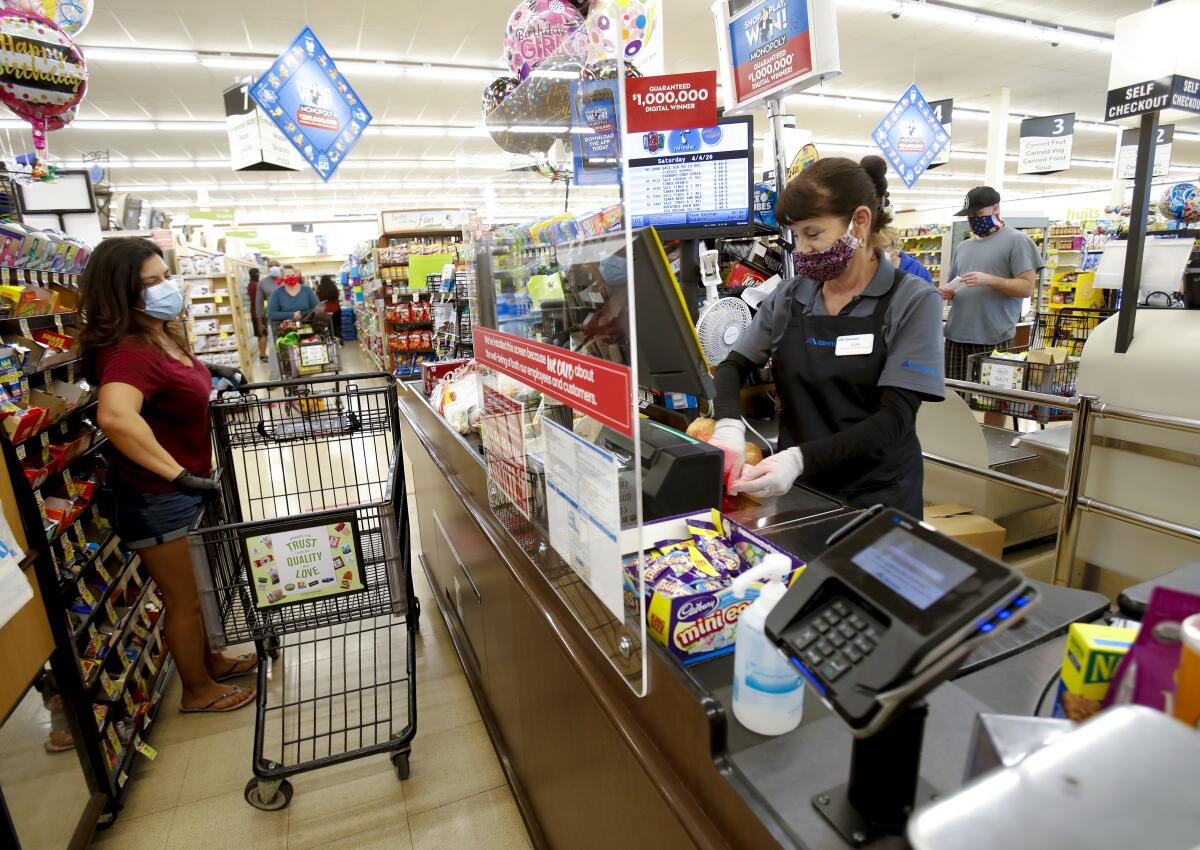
671	102
311	103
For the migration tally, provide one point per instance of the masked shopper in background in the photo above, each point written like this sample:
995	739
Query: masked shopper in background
999	269
262	297
154	409
855	346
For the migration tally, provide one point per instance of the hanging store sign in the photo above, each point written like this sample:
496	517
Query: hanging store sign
1176	92
1127	159
595	129
775	47
910	136
943	110
671	102
1045	145
255	144
594	387
308	99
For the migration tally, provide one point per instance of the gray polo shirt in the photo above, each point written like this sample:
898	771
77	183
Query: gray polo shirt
980	314
912	327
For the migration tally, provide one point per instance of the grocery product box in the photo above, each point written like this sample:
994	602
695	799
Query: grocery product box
967	527
1093	653
698	622
434	371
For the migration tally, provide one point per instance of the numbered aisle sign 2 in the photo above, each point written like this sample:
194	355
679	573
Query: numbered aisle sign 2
303	562
1163	142
671	102
1045	146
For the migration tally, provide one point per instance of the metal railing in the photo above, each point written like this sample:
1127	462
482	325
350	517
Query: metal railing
1086	410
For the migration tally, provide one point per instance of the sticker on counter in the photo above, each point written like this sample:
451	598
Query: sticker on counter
583	507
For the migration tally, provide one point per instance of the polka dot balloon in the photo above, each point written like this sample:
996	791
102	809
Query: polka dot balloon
619	28
1181	202
71	15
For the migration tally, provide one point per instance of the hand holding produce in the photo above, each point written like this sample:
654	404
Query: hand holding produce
730	437
773	477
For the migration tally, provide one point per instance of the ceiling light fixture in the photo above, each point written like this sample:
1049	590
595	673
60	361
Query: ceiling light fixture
141	54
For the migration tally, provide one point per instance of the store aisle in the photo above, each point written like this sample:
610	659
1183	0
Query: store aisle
191	794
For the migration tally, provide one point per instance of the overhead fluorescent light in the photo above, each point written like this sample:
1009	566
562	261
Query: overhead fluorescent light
534	128
122	54
97	124
373	69
191	126
412	130
459	73
236	63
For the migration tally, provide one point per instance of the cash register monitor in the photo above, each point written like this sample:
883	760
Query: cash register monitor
593	313
883	614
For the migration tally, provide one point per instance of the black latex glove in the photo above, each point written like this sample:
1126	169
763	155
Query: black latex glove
195	485
232	374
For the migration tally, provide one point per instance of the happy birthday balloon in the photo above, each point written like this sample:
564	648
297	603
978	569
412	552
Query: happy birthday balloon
1181	202
42	71
70	15
607	70
619	28
61	122
538	29
496	92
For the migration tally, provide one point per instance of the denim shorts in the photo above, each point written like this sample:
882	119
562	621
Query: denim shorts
143	520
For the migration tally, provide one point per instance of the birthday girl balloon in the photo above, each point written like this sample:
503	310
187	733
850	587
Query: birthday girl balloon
538	29
620	28
42	72
70	15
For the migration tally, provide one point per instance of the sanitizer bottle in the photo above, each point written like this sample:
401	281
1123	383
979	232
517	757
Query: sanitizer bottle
768	693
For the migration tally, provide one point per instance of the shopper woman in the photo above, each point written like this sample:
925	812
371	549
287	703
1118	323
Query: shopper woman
291	300
331	299
855	348
154	409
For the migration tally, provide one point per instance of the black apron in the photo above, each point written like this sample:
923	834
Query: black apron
823	394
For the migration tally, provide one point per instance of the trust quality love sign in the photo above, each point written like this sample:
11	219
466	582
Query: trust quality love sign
594	387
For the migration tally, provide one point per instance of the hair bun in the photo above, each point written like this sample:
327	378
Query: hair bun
876	168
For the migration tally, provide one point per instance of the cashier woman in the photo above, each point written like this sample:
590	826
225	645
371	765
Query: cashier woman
855	346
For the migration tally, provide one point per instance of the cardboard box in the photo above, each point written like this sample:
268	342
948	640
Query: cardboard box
434	371
968	528
1093	653
1047	356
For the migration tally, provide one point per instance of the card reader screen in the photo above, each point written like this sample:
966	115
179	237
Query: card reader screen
908	566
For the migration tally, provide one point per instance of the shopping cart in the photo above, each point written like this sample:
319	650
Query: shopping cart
1069	327
307	347
306	554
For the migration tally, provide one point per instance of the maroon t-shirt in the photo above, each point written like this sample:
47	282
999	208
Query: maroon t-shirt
175	407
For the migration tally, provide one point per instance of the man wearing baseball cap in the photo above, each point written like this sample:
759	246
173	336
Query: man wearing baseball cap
997	269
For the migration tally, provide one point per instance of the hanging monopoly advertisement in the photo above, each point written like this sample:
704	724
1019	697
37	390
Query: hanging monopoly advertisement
910	136
772	48
312	104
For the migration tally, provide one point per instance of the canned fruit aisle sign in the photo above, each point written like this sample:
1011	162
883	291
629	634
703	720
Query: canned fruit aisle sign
304	562
671	102
910	136
774	47
594	387
312	104
1046	143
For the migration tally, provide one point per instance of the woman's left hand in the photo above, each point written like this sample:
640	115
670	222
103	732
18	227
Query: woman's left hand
772	476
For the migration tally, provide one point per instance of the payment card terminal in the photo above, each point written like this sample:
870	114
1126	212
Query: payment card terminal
885	614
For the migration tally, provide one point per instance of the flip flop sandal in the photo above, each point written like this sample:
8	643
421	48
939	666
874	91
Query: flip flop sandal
234	672
208	709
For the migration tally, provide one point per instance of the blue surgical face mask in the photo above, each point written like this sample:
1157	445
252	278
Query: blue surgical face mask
275	271
163	300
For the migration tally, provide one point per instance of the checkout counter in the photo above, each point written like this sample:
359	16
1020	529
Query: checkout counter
591	763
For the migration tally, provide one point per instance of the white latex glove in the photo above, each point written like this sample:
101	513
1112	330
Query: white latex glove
772	476
730	437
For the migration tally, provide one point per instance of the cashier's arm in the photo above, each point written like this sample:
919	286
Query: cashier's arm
1021	286
120	416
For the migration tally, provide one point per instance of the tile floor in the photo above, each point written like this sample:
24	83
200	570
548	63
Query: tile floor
191	794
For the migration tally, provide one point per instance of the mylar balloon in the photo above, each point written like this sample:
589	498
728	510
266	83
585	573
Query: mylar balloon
496	92
538	29
620	27
1181	202
607	70
549	92
42	72
70	15
62	122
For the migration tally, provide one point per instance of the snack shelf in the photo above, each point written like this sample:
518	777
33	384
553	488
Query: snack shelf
33	323
117	642
120	774
117	582
69	575
90	453
66	417
153	636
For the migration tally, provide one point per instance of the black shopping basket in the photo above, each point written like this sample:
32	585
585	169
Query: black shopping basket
994	370
307	555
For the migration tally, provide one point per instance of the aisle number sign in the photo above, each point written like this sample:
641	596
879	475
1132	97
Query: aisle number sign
1045	145
310	101
1127	158
304	562
910	136
943	111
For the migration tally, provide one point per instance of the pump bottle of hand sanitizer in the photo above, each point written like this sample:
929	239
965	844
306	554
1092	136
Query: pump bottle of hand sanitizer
768	693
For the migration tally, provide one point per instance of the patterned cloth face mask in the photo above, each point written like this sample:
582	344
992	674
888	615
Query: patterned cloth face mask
823	266
984	225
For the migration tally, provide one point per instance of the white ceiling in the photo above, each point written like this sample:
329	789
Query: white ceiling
946	55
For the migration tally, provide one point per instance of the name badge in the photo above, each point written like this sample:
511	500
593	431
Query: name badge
849	346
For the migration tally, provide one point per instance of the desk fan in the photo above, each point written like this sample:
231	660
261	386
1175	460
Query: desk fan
722	320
